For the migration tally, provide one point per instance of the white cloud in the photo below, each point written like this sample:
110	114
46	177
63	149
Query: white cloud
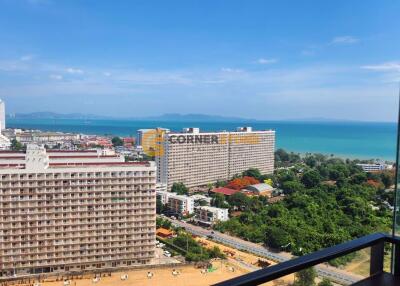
264	61
74	71
231	70
56	76
386	67
344	40
305	86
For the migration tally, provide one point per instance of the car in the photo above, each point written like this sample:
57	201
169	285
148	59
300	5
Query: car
167	254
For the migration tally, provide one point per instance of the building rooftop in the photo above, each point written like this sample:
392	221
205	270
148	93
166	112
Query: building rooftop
37	157
225	191
259	188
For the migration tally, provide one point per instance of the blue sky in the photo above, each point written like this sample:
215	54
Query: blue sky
253	59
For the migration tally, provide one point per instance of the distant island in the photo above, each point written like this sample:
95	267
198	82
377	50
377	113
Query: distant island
165	117
53	115
195	117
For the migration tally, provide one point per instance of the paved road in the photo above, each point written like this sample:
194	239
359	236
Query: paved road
326	271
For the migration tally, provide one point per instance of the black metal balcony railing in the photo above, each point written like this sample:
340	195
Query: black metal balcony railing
377	276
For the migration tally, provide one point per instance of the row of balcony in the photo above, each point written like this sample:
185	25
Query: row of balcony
75	257
58	176
70	247
74	202
53	209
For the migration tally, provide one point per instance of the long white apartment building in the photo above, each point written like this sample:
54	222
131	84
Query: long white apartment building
74	211
198	158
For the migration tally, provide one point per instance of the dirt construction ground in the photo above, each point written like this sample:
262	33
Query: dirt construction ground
189	276
240	262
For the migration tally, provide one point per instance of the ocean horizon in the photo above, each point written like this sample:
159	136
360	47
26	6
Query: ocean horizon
362	140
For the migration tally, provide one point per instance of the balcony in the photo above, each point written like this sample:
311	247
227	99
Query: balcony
377	276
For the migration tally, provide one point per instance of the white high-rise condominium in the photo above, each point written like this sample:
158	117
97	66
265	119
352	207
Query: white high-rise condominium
66	211
2	115
198	158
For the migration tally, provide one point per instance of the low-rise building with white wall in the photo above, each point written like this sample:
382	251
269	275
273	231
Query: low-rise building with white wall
210	215
179	204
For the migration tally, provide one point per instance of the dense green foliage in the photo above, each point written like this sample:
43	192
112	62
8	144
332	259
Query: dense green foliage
160	208
325	282
305	277
116	141
179	188
160	222
194	251
16	145
328	201
218	201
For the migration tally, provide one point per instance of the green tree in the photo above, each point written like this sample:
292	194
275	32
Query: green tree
216	252
16	145
219	201
290	187
239	200
253	172
179	188
359	178
311	178
281	156
387	179
325	282
159	206
310	161
160	222
277	238
306	277
117	141
220	183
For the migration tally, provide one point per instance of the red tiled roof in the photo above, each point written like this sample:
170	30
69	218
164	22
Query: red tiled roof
225	191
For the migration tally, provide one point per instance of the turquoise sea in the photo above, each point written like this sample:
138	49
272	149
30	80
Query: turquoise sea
346	139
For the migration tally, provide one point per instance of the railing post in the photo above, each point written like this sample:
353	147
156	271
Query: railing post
377	255
396	259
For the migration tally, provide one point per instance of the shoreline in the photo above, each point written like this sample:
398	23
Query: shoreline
365	141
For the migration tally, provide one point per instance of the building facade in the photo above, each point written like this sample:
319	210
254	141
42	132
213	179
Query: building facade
179	204
75	213
198	158
376	167
210	215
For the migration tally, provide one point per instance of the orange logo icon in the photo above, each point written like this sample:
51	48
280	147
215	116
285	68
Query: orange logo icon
152	142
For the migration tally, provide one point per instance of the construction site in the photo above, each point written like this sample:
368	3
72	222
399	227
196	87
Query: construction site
197	274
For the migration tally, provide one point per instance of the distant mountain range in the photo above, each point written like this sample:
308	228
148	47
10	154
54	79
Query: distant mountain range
175	117
194	117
